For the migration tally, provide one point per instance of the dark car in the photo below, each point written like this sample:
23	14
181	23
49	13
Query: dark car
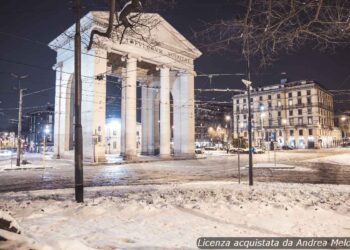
287	147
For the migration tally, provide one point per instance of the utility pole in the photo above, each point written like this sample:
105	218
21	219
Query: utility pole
20	104
19	141
78	149
58	156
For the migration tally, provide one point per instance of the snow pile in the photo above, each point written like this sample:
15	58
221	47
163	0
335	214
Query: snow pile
174	216
8	223
340	159
278	166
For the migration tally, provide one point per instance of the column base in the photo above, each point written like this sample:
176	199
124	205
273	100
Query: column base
129	157
185	156
165	157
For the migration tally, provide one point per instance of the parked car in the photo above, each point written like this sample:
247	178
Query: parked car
258	151
210	148
4	152
254	150
233	150
286	147
199	151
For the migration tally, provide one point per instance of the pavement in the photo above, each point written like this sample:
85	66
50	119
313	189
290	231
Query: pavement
212	166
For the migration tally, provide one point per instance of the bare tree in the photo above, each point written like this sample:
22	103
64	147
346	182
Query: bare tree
129	17
269	27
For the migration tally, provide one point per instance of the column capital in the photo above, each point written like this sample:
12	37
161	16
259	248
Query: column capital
129	56
163	66
187	72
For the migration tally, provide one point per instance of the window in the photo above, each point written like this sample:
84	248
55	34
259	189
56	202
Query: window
291	121
300	121
290	112
251	100
260	98
299	93
309	110
310	132
309	100
299	101
300	111
291	132
279	104
270	104
237	101
278	96
290	95
114	145
309	120
279	121
244	100
301	132
290	102
280	132
270	123
279	114
308	92
244	117
237	109
270	97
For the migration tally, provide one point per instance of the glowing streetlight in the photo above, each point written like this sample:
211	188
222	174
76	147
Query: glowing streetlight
228	118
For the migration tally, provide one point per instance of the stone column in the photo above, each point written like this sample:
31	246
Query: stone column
165	131
145	117
154	103
122	114
187	124
130	109
94	106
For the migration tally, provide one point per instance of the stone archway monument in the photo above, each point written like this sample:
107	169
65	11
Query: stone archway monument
159	58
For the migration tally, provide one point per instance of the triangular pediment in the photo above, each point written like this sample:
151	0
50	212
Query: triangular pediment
159	31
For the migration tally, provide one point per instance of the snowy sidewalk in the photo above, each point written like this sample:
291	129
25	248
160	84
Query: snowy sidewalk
174	216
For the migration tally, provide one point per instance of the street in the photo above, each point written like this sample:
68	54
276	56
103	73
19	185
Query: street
303	166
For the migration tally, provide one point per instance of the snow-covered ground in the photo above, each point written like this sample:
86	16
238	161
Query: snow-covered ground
340	159
174	216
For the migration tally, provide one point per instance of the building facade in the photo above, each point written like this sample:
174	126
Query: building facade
41	126
113	136
296	114
8	140
213	123
342	121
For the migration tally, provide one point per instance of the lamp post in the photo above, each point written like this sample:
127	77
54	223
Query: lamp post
46	132
248	85
344	135
262	116
228	127
284	122
19	142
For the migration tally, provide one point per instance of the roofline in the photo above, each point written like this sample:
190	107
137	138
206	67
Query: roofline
286	86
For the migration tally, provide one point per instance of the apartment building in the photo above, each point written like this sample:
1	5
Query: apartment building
298	114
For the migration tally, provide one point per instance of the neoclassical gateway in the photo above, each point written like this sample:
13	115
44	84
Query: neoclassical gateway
161	61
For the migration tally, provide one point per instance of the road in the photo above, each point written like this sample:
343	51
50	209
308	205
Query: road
60	173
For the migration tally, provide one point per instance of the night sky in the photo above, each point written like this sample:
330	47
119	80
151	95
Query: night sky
42	21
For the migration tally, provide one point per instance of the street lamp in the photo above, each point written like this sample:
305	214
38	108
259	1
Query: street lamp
229	133
284	122
46	132
248	85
